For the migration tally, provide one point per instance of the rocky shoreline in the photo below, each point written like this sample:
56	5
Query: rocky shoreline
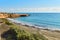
12	15
31	25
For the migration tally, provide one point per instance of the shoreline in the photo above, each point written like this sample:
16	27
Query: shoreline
31	25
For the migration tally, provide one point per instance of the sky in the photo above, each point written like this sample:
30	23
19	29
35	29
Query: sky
29	5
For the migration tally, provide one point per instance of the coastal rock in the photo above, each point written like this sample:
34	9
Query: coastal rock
12	15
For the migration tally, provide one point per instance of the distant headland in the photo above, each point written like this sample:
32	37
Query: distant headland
12	15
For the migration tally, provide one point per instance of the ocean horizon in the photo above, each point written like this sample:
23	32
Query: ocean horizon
45	20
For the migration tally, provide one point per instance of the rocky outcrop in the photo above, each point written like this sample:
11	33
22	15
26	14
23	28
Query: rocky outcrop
17	15
12	15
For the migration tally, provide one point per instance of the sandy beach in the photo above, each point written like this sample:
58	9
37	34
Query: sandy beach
48	33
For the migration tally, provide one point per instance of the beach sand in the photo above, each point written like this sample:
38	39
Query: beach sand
49	34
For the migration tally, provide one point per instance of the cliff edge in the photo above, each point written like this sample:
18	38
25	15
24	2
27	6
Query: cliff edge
12	15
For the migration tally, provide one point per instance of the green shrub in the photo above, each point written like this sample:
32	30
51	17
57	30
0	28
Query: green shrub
6	21
25	35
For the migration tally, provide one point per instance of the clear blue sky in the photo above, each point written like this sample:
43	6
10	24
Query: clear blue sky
29	3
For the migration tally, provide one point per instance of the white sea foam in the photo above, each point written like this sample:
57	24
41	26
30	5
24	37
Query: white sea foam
25	23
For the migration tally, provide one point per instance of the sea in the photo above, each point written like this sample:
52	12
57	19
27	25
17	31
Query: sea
42	20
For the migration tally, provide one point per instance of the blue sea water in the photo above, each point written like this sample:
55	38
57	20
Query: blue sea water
45	20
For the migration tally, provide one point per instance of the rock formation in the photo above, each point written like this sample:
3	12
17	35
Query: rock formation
12	15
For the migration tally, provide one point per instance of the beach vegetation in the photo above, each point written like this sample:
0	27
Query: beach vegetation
4	20
16	33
